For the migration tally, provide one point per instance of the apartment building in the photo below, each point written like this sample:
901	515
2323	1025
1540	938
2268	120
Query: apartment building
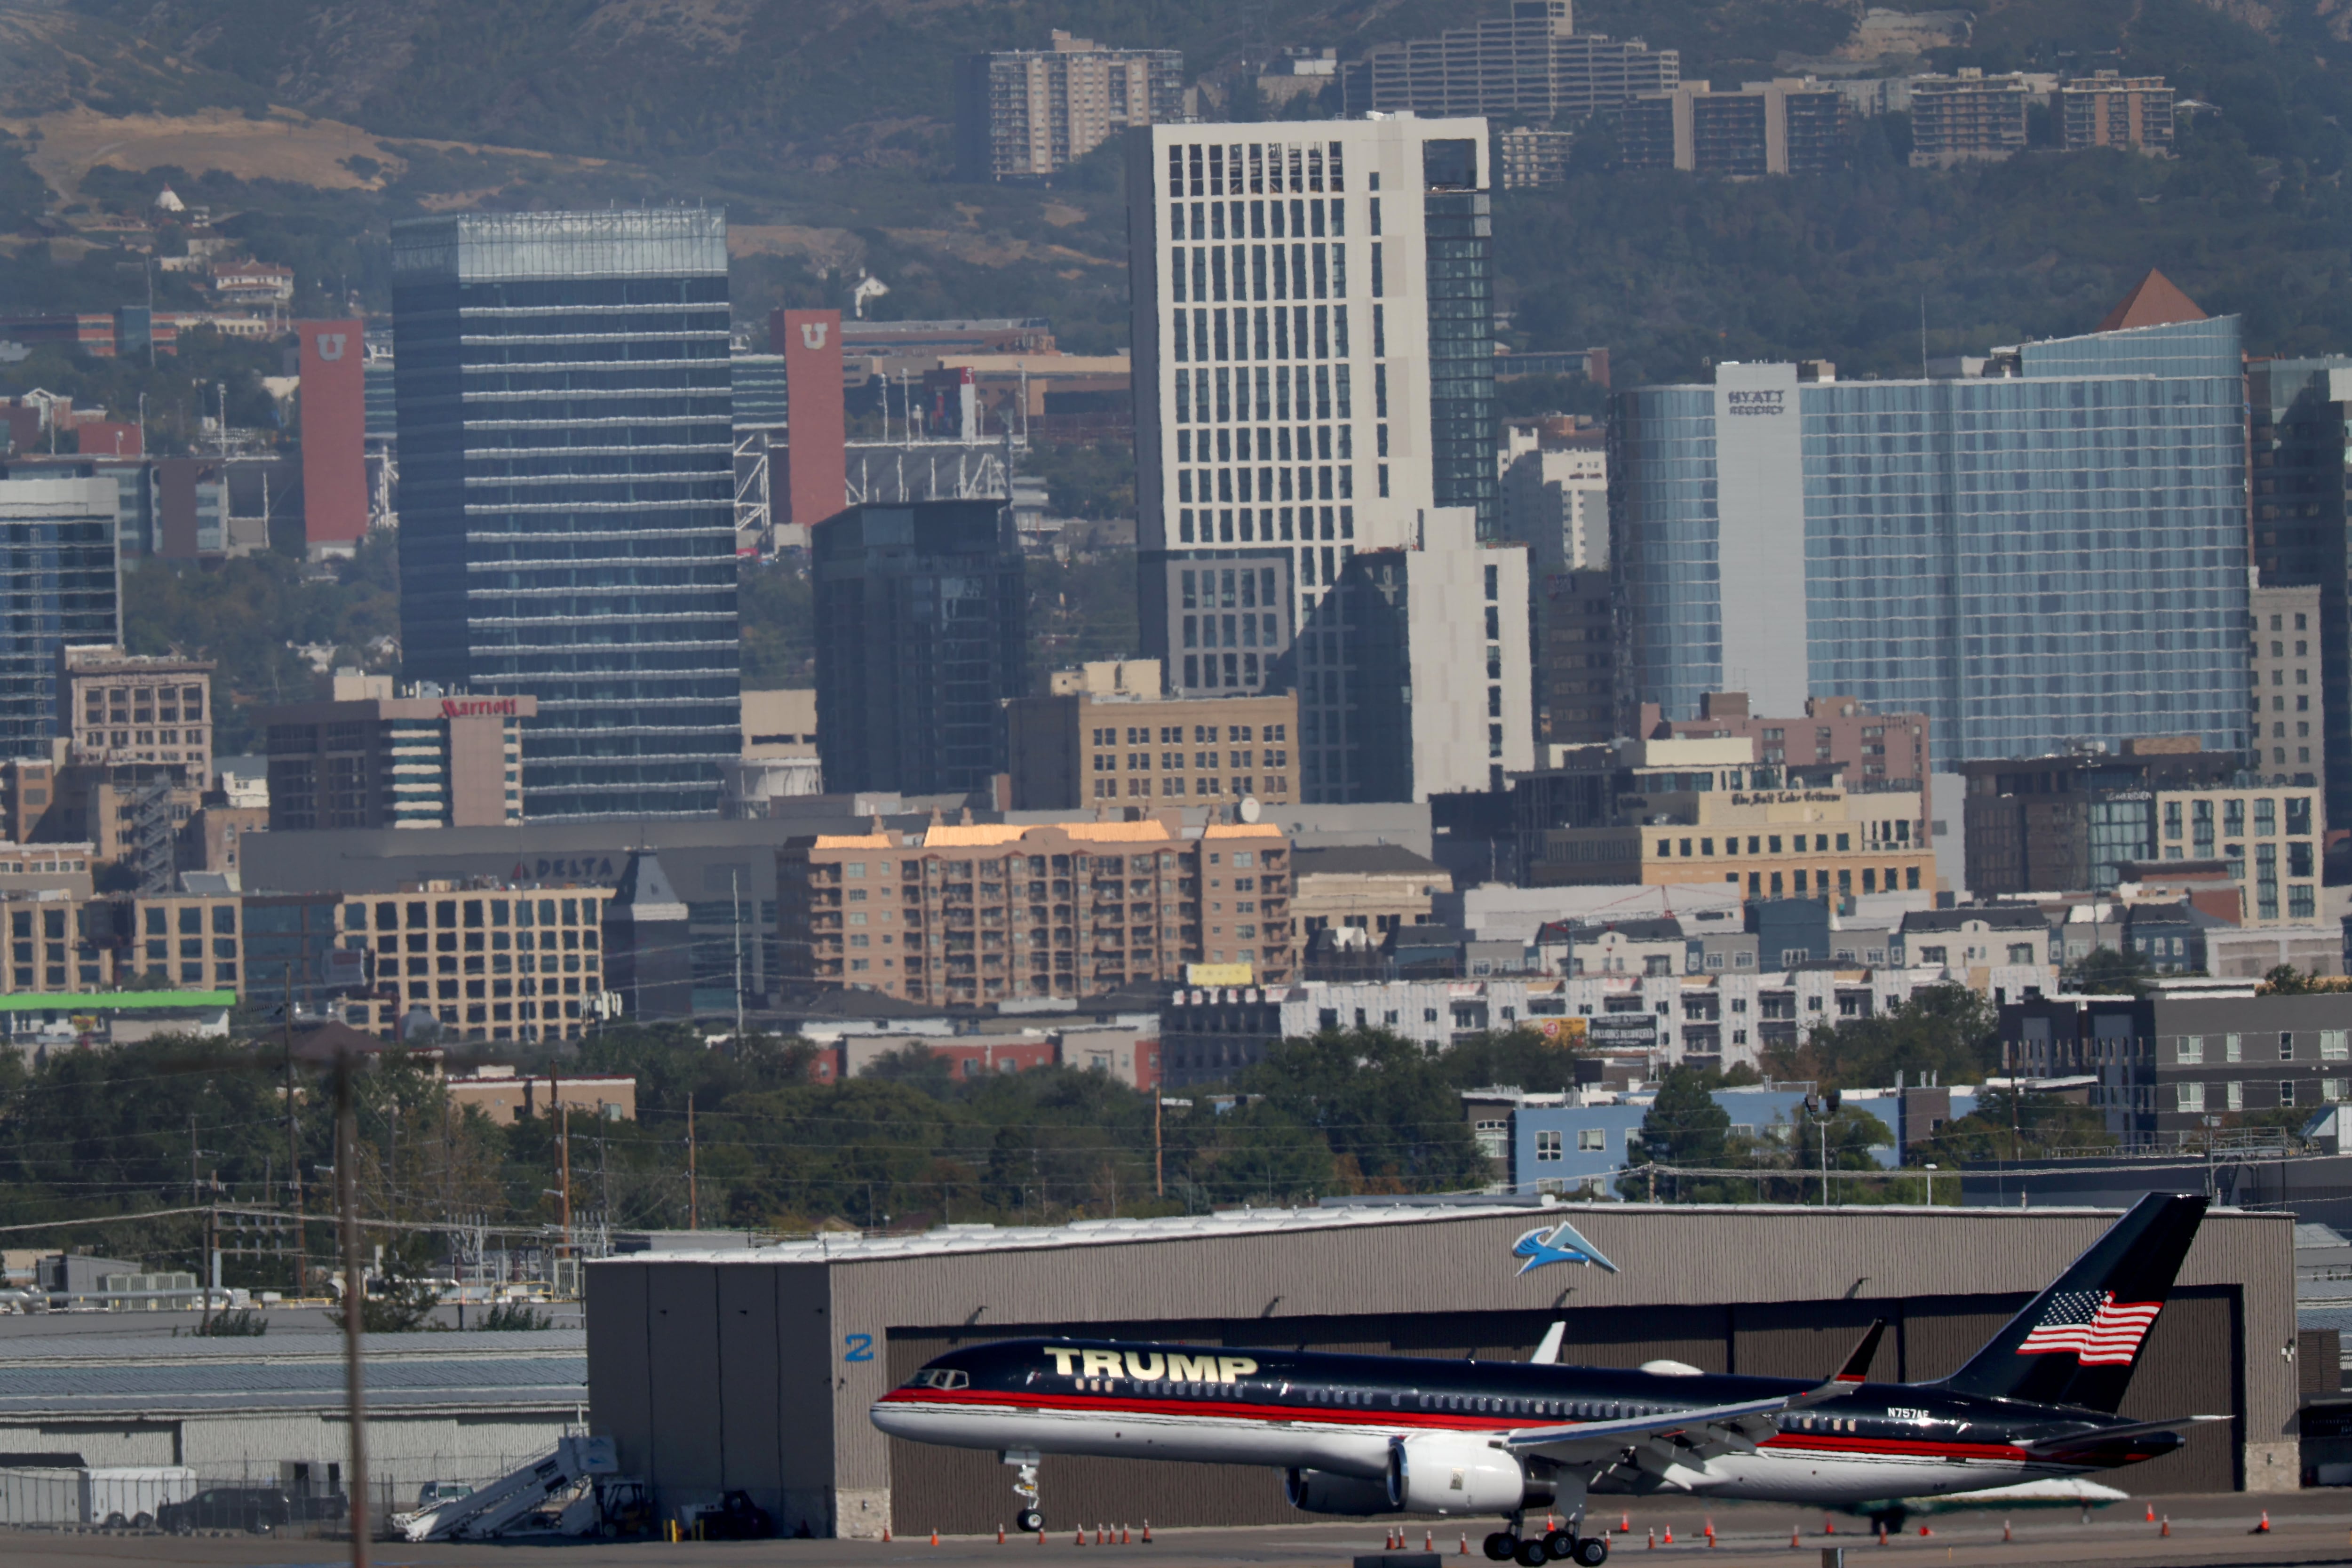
360	757
1967	117
1531	65
2193	1057
2110	109
1529	158
2268	838
965	913
1105	733
1028	114
1787	126
2288	733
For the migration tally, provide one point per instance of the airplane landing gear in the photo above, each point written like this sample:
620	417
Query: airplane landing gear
1502	1546
1029	1521
1562	1545
1591	1551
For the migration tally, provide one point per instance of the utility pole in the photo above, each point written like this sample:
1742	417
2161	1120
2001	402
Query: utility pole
193	1153
1158	1158
355	1294
563	1122
735	888
693	1195
294	1147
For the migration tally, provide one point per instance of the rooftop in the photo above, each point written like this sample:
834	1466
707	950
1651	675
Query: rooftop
1364	860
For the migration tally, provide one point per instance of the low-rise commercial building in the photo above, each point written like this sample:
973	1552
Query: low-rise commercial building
962	913
2069	823
1106	733
1373	888
1834	738
1663	811
494	964
507	1097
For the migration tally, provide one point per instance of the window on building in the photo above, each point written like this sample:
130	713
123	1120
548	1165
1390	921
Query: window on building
1590	1139
2190	1096
1548	1146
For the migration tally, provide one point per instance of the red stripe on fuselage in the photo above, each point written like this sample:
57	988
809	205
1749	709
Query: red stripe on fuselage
1790	1443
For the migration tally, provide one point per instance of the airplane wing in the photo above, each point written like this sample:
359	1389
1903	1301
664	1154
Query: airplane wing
1687	1437
2098	1435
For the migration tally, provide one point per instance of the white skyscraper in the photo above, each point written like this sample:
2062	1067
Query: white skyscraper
1314	376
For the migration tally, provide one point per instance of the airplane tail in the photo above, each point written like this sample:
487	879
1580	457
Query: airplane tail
2077	1343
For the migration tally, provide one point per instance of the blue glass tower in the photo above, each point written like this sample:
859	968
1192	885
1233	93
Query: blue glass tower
2052	550
58	585
567	504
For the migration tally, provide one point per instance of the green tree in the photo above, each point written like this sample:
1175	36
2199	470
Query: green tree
1391	1119
1684	1126
2107	971
1947	1030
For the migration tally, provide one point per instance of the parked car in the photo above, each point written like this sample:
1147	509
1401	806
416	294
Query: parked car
256	1510
432	1494
736	1518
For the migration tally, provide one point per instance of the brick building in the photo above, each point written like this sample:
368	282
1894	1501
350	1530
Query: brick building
1106	733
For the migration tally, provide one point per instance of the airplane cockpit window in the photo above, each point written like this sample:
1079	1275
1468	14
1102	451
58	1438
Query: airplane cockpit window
939	1378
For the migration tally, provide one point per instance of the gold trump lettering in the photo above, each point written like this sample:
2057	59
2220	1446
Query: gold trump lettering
1150	1366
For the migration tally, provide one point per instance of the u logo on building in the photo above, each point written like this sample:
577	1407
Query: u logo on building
812	335
331	345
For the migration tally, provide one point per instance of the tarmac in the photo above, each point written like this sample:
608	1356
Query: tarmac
2307	1527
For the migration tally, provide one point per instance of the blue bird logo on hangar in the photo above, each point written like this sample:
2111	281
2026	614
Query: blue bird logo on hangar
1557	1244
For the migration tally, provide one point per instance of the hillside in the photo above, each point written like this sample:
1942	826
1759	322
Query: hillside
821	124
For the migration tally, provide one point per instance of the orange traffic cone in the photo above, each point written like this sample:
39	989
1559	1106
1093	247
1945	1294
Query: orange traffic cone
1882	1533
886	1535
1079	1539
1670	1535
1000	1535
2151	1513
1925	1530
1122	1536
1100	1536
1624	1524
2166	1528
1793	1542
935	1538
1429	1540
2265	1527
1466	1546
1829	1525
1146	1532
1654	1538
2004	1530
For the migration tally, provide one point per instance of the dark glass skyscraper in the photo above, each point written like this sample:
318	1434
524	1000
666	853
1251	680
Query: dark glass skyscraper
567	522
2301	527
59	586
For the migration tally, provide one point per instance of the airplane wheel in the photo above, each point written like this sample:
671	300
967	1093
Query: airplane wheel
1030	1521
1531	1554
1558	1545
1592	1550
1502	1546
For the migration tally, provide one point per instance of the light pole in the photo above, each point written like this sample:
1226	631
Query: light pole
1822	1110
1931	1185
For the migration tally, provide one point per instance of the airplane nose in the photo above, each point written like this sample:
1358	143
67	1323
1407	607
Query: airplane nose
895	1419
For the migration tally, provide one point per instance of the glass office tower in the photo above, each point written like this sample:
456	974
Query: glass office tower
59	586
567	506
2050	552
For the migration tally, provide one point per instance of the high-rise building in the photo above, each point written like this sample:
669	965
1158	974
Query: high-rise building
2289	737
334	435
2302	528
1555	499
361	756
920	639
567	527
1995	551
1313	377
1532	65
1028	114
1790	126
2109	109
1968	118
61	585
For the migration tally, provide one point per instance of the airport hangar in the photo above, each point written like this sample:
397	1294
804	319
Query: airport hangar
754	1369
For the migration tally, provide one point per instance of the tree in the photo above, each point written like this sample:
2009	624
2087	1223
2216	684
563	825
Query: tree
1683	1125
2286	980
1949	1030
1381	1101
1520	1057
2107	971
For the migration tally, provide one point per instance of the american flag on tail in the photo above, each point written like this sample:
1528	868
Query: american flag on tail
2099	1329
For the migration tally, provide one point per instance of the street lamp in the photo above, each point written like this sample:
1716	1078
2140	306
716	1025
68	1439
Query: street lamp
1822	1110
1931	1184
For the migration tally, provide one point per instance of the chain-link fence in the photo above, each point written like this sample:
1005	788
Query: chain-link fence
300	1498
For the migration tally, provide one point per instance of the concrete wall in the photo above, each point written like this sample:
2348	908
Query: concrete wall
758	1371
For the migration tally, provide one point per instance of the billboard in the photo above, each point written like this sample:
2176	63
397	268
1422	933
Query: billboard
335	437
815	463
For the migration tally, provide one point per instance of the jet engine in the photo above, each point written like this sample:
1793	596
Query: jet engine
1320	1491
1453	1472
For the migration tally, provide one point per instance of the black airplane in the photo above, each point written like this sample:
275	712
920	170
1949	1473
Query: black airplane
1363	1435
